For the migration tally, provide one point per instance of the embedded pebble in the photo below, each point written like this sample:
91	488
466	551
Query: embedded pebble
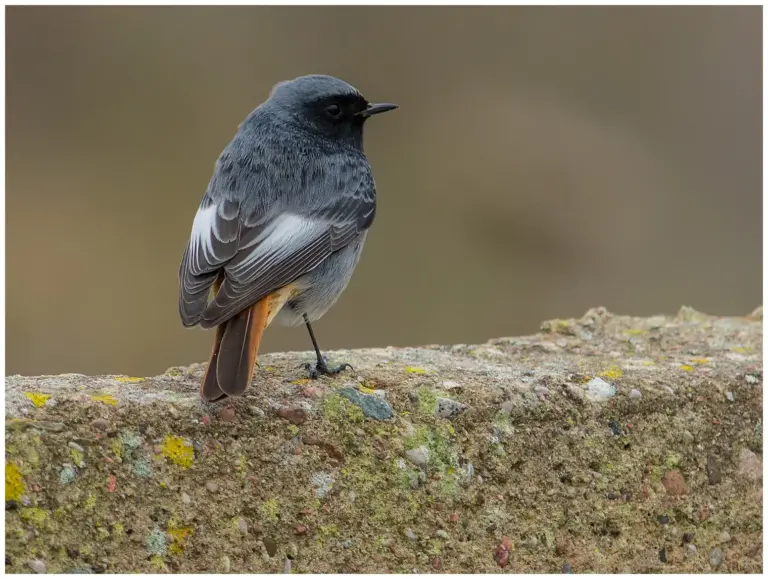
270	545
225	564
100	424
418	456
227	415
575	392
242	526
442	534
541	391
688	437
507	407
37	566
690	551
713	471
294	414
212	486
598	390
372	406
256	411
447	408
724	537
185	498
715	557
567	568
323	482
410	534
347	543
729	396
450	384
674	483
749	465
635	394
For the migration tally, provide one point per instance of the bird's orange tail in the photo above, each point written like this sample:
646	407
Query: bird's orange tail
234	353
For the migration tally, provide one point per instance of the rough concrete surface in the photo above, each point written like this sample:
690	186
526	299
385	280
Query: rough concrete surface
608	443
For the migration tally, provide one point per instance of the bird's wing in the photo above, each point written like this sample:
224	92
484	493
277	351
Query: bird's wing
258	251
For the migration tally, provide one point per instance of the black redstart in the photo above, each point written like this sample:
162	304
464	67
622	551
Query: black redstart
281	226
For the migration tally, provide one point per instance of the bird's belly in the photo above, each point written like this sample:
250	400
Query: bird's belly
315	292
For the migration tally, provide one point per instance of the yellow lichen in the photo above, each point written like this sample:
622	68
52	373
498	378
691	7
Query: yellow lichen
106	399
117	449
293	429
269	509
414	370
178	451
14	483
699	361
612	373
686	367
129	379
634	332
37	399
34	515
157	561
179	535
301	381
365	390
77	457
90	502
741	349
118	529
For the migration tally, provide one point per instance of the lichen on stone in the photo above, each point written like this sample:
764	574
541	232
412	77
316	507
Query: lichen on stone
14	483
178	451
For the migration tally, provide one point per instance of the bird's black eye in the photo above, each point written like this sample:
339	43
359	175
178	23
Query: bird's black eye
333	110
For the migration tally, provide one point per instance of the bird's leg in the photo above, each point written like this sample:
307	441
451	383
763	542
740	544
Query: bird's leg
322	364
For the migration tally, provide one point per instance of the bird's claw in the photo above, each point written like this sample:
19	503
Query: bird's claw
321	368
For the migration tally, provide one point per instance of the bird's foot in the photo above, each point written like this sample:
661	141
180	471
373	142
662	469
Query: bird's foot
321	368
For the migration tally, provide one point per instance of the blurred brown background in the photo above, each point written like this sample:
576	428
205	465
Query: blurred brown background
544	160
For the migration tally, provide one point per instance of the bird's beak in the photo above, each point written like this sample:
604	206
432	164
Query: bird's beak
376	108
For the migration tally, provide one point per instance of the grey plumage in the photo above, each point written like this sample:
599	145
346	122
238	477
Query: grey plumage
290	201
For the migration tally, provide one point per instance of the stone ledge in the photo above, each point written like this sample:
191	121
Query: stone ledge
608	444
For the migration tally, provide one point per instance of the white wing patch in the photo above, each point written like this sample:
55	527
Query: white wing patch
203	228
285	235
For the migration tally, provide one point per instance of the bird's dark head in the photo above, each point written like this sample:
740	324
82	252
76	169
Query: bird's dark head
326	105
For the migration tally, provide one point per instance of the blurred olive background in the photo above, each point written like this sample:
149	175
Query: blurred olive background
544	160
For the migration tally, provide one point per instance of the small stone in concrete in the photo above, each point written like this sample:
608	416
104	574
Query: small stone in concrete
225	565
713	471
690	551
729	396
716	557
227	415
270	545
37	566
674	483
724	537
418	456
749	465
598	390
212	486
410	534
185	498
100	424
242	526
256	411
635	394
447	408
442	534
575	392
507	407
372	406
323	482
293	414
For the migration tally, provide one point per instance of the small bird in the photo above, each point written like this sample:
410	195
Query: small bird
281	226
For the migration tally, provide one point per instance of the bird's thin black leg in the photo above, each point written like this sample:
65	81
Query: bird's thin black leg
322	366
